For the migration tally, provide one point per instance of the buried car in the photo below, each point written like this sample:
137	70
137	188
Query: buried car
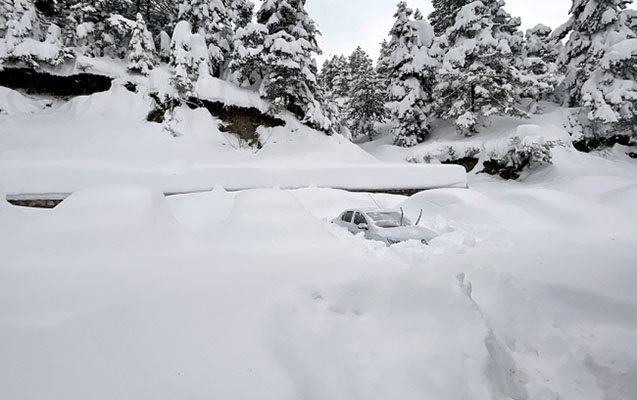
388	226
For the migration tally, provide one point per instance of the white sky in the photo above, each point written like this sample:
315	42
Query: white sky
346	24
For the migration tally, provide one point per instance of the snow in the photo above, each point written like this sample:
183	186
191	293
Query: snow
527	293
103	139
13	102
214	89
246	290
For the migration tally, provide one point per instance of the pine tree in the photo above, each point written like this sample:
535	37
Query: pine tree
22	25
142	48
366	106
340	85
382	67
211	20
290	80
538	63
444	14
248	59
479	77
413	73
600	59
61	54
181	59
240	13
5	11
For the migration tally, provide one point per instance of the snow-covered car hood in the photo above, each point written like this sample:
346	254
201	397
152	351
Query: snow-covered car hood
403	233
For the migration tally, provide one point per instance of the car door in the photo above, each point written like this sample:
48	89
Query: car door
358	220
346	220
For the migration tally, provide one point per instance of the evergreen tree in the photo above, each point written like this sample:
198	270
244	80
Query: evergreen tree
21	26
185	69
290	80
479	77
538	63
413	73
341	82
248	60
164	47
444	14
142	48
600	59
382	67
240	13
58	53
211	20
366	106
5	11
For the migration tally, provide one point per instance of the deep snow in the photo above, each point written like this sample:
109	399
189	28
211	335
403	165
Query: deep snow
103	139
122	293
527	294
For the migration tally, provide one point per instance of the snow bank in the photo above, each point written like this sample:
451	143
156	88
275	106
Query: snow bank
59	177
116	103
93	219
265	221
215	89
13	102
202	212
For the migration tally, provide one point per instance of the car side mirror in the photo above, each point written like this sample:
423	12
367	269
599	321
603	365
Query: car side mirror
363	227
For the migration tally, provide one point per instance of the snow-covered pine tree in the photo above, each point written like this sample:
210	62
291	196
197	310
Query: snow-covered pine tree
5	11
341	82
248	59
164	46
600	59
327	73
538	63
142	48
210	19
382	67
479	77
366	105
181	60
57	53
290	81
22	25
413	73
444	14
240	13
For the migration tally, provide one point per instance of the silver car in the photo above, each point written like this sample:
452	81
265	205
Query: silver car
388	226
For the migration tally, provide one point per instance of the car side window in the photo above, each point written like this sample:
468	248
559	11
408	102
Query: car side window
359	219
347	217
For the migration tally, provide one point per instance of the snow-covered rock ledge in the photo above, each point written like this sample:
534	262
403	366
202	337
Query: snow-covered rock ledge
28	181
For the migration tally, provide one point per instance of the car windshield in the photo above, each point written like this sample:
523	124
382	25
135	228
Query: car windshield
388	219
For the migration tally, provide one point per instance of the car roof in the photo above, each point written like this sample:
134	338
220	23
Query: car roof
366	210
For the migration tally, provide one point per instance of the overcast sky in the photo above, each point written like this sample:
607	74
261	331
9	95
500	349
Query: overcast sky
346	24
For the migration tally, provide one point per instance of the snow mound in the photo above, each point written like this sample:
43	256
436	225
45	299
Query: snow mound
202	212
464	205
120	216
13	102
269	220
116	103
214	89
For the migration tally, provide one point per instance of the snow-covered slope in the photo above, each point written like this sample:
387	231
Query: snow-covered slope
104	139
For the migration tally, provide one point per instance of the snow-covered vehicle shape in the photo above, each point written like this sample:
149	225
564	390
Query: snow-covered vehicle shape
388	226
